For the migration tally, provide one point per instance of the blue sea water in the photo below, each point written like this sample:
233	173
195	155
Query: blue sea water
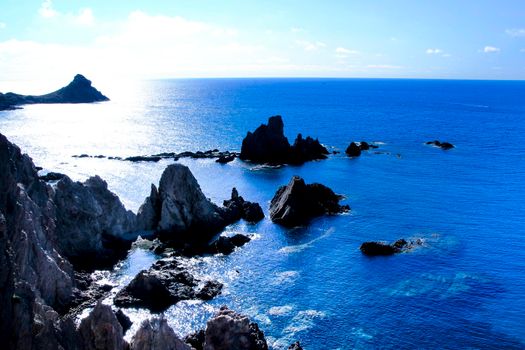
464	288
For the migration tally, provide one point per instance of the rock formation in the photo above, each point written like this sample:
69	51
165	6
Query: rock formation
380	248
156	334
184	217
78	91
355	148
91	223
443	145
229	330
297	203
101	330
267	144
163	285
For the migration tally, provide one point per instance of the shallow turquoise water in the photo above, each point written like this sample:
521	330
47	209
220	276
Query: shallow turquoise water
464	289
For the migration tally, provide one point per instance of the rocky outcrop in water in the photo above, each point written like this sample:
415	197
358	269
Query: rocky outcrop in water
78	91
156	334
355	148
296	203
101	330
183	217
267	144
242	209
443	145
92	224
163	285
295	346
228	330
380	248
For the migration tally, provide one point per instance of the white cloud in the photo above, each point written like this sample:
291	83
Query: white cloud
46	9
342	52
516	32
84	17
434	51
310	46
491	49
2	25
522	50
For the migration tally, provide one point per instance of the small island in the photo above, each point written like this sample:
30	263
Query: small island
78	91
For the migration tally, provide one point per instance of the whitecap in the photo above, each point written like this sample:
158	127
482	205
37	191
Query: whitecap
285	277
280	310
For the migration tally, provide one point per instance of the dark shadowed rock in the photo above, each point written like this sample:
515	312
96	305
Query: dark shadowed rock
297	203
210	290
307	149
443	145
295	346
228	330
380	248
223	159
196	340
78	91
377	248
163	285
92	223
148	215
267	144
51	176
101	330
226	245
238	208
156	334
143	159
124	320
353	150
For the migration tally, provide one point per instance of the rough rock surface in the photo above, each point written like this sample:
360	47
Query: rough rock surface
156	334
355	148
240	208
380	248
182	215
163	285
443	145
267	144
78	91
196	340
229	330
184	210
91	223
295	346
101	330
296	203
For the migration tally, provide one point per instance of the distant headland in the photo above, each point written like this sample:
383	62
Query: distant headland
78	91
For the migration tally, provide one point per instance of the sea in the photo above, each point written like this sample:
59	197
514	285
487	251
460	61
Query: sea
463	288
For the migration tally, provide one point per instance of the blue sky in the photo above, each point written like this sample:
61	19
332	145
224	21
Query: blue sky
50	39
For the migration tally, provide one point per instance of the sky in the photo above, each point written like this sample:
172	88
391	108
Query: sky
446	39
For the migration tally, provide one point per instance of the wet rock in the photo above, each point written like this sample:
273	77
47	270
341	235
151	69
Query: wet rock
295	346
143	159
377	248
297	203
442	145
124	320
157	288
210	290
101	330
51	176
228	330
226	245
196	340
155	334
223	159
353	150
380	248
